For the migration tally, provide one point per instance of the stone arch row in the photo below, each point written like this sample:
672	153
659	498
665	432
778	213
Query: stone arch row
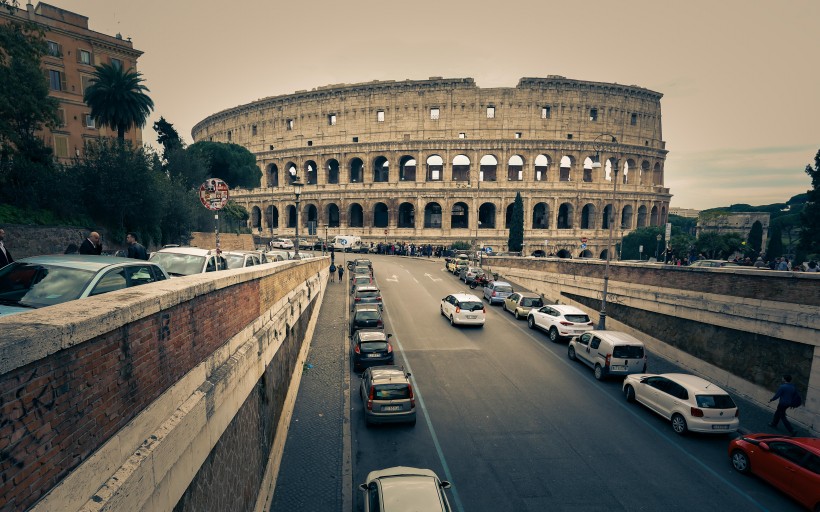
381	215
543	167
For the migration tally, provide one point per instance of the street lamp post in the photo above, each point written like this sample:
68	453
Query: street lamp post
297	190
658	247
599	144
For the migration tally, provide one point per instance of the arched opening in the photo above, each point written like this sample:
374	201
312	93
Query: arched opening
407	215
654	218
355	216
311	172
606	217
566	166
486	216
515	168
657	175
381	215
630	164
508	215
311	215
642	216
333	217
488	167
563	253
435	168
663	216
626	217
542	164
587	170
461	168
291	216
407	168
292	172
644	173
541	216
565	216
603	254
273	176
356	170
333	171
460	216
381	170
586	253
432	215
272	217
588	216
256	218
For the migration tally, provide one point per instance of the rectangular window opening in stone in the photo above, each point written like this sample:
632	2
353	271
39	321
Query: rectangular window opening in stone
310	143
54	49
545	112
569	136
253	130
593	114
61	146
355	139
116	63
331	119
490	112
84	57
229	135
634	119
380	116
270	148
289	124
89	121
434	113
517	135
462	135
61	117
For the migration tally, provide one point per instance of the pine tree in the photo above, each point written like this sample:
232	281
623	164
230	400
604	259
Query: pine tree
810	218
515	242
775	249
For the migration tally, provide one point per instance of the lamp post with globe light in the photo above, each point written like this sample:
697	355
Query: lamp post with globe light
297	191
600	144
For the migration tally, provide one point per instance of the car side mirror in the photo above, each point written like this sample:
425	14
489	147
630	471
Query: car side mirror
764	446
389	335
408	374
363	487
444	484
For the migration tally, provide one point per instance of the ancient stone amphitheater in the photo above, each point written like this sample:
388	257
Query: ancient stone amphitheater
441	160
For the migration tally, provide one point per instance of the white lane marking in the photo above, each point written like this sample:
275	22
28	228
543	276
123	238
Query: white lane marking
434	279
394	279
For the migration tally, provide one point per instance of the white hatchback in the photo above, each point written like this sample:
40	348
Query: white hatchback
463	309
689	402
559	321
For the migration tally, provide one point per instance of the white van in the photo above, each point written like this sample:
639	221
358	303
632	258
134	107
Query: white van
609	353
347	243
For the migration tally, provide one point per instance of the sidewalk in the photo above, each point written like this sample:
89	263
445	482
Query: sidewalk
314	473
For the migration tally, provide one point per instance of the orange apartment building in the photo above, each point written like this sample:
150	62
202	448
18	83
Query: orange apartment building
73	51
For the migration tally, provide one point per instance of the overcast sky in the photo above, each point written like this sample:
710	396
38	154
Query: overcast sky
740	78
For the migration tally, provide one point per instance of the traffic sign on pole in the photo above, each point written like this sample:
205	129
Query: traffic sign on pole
213	194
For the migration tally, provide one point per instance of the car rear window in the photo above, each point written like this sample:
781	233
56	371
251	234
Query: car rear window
578	319
506	289
391	392
372	346
471	306
367	295
715	401
628	352
531	303
367	314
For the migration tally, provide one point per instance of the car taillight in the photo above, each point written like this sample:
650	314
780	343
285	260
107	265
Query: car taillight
412	396
379	298
389	348
357	349
696	413
458	309
566	323
370	399
483	310
493	293
357	299
737	413
590	323
379	323
608	359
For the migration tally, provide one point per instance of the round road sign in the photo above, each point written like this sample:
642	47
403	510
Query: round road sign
213	194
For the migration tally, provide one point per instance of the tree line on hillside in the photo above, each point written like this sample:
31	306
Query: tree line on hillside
112	184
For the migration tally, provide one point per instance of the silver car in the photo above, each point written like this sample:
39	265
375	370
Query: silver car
387	395
497	291
404	489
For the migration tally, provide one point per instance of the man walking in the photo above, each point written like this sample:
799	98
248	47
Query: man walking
91	245
5	255
788	396
135	249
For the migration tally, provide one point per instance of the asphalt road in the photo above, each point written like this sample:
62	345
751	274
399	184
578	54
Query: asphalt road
515	425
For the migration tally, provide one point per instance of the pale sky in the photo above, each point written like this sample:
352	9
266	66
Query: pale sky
740	78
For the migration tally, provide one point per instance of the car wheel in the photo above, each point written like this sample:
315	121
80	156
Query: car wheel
679	424
740	461
554	335
441	310
629	392
599	372
531	322
571	353
517	316
451	320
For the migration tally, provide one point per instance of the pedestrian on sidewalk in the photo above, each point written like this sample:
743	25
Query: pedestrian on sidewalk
341	270
5	255
789	397
332	273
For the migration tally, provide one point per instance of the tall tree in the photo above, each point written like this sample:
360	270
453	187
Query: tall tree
810	218
117	98
167	136
775	248
515	242
230	162
755	239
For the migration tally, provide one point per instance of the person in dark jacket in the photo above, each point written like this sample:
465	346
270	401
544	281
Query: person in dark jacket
5	255
787	394
91	245
135	249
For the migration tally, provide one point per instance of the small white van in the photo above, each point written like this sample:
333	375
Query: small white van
609	353
347	243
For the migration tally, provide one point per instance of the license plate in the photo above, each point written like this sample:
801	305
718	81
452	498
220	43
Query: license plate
616	368
720	427
374	355
471	317
391	408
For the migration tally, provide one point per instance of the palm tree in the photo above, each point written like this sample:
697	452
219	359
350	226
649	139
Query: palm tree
117	98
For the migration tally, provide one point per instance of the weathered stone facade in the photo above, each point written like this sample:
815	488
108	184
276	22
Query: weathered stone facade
739	222
441	160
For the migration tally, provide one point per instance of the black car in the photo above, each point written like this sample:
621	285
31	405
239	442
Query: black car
371	348
368	316
366	295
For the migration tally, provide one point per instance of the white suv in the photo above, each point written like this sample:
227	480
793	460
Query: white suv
463	309
187	261
281	243
559	321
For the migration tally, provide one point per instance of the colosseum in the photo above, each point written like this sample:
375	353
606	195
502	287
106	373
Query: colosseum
440	161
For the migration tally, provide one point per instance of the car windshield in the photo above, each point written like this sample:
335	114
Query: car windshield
503	288
373	346
179	264
471	306
36	286
368	295
577	319
715	401
391	392
367	314
235	260
628	352
528	302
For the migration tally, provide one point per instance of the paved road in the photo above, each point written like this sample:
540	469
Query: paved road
504	415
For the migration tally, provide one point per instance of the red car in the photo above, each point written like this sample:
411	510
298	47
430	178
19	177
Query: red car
792	464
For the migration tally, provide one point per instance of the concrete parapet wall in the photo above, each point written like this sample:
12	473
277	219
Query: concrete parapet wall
742	328
115	401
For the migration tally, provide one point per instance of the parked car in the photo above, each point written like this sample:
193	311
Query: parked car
404	489
387	395
367	316
689	402
468	274
187	261
520	303
360	271
282	243
241	259
363	262
713	263
371	348
609	353
360	280
539	253
459	266
41	281
559	321
366	295
497	291
277	255
792	464
463	309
